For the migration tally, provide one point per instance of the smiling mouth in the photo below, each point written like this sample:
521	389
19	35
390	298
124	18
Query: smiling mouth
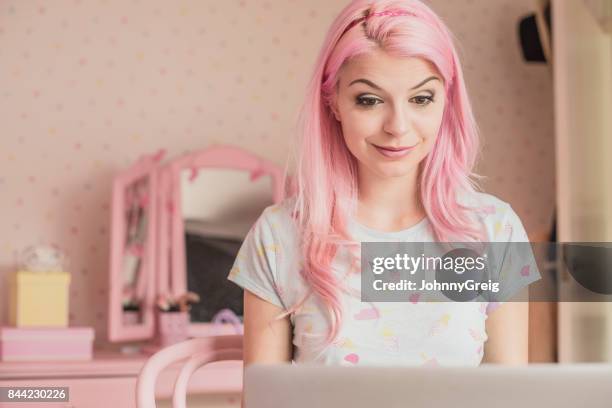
394	153
394	149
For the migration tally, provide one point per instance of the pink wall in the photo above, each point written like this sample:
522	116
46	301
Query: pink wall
86	86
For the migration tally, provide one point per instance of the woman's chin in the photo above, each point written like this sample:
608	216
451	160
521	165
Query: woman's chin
388	170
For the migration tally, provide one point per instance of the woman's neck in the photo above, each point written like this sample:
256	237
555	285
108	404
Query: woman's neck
389	204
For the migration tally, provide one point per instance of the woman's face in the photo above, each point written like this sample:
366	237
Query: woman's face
389	102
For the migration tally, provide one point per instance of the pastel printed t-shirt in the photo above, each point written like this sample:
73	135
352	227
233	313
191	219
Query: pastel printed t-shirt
391	333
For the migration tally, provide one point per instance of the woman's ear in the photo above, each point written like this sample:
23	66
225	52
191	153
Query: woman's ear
334	108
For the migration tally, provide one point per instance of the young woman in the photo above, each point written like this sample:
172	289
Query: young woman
386	150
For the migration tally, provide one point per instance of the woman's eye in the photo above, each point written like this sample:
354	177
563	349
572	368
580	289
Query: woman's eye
366	101
423	100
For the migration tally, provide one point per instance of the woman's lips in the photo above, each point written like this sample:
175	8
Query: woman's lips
394	152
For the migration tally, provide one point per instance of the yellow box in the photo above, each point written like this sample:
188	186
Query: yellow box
39	299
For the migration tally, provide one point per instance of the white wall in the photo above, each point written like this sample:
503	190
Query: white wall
583	121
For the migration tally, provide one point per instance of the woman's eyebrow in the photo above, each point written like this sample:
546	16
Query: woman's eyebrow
373	85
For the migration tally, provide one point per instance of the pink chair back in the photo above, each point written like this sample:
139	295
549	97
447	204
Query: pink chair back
196	352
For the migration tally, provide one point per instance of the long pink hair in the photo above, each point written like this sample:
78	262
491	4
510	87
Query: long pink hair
325	183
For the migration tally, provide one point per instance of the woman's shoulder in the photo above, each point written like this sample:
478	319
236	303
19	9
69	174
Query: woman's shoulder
279	217
281	211
485	203
498	216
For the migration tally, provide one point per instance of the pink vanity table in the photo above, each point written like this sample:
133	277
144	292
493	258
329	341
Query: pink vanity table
157	191
109	380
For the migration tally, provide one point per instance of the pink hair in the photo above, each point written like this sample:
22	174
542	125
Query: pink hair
325	183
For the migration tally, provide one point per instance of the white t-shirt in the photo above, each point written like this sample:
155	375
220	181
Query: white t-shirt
391	333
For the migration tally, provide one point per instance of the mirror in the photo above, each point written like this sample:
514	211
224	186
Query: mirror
217	194
215	226
135	208
177	228
132	251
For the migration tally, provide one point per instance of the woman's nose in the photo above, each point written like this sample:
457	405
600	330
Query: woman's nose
397	122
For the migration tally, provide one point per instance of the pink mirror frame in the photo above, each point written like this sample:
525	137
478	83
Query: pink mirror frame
171	273
118	331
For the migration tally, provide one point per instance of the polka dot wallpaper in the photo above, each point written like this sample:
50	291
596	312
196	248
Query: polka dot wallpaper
87	86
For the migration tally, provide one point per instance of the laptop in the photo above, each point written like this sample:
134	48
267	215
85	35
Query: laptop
537	385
